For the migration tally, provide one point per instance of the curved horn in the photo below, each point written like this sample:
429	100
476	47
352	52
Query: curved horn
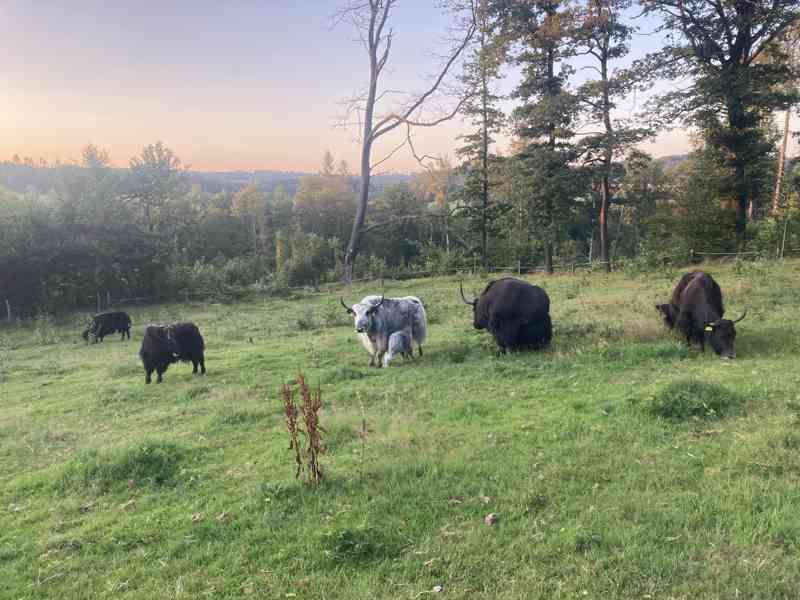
347	308
744	314
461	287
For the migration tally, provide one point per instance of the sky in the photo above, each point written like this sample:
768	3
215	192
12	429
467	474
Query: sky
247	85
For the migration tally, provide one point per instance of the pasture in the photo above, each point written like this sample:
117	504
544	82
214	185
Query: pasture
620	463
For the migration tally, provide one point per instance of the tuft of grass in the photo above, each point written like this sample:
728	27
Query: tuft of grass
154	463
241	416
345	373
119	395
359	545
690	398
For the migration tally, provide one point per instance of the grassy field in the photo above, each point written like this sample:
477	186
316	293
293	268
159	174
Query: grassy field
621	464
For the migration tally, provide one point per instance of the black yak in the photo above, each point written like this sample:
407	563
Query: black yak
696	310
162	346
106	323
515	312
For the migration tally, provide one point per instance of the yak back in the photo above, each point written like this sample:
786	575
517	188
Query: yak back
397	314
510	299
697	293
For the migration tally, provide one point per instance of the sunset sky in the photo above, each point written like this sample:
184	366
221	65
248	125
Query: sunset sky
226	85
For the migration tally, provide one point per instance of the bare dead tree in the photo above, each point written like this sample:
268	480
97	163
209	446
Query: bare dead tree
372	21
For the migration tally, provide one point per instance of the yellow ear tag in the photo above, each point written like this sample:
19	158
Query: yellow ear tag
709	328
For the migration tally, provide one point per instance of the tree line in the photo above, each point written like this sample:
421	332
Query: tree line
573	185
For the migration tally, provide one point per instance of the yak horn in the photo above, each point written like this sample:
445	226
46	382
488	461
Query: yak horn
461	287
744	314
347	308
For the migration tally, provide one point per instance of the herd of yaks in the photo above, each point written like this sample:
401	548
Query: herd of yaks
515	312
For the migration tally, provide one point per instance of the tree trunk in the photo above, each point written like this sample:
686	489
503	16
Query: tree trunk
484	169
604	201
353	246
776	196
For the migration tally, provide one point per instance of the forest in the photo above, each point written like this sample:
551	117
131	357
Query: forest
573	187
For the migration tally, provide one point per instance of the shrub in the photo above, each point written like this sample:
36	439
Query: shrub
690	398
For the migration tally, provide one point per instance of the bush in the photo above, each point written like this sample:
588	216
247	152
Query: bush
437	261
690	398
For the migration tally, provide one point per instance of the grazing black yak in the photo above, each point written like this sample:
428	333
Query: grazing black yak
515	312
106	323
696	310
162	346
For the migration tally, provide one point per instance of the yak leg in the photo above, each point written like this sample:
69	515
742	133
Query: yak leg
148	375
194	367
202	365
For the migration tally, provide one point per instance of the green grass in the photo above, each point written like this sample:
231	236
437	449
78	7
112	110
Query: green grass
621	463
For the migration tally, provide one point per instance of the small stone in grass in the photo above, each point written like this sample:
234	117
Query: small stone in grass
491	518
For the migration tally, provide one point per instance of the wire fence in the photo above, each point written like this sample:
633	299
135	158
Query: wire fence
104	301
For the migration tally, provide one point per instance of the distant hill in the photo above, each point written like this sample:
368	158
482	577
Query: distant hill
671	161
21	178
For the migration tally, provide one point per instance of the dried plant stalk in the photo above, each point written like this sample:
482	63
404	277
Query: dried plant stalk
308	457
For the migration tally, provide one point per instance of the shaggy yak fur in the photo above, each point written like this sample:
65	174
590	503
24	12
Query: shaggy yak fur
162	346
515	312
696	310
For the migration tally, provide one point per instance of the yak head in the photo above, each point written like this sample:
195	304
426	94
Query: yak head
364	313
720	334
172	342
478	319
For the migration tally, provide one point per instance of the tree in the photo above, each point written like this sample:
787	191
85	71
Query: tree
249	203
790	43
328	164
602	35
480	73
719	46
156	177
544	121
371	19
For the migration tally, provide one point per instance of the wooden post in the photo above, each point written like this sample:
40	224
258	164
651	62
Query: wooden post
8	311
108	299
98	302
783	243
519	267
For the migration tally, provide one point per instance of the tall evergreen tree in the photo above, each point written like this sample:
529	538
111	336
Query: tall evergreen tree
544	122
481	72
602	35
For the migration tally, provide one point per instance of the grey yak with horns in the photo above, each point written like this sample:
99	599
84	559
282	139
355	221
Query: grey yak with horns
515	312
388	326
696	310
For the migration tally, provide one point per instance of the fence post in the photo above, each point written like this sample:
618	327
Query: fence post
108	299
783	243
519	267
691	256
98	302
8	311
